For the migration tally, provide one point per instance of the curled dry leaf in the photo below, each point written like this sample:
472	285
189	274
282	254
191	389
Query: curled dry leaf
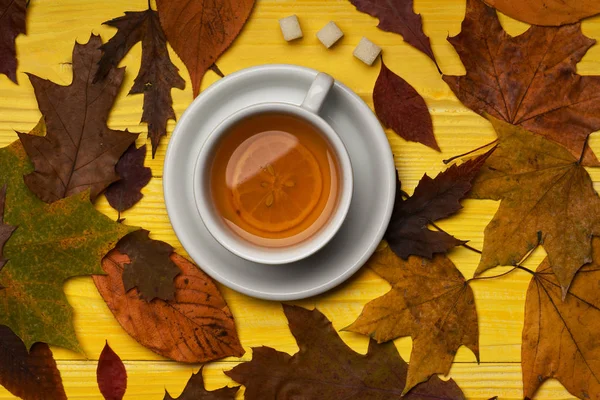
542	92
12	24
194	390
547	12
429	301
200	31
6	230
332	369
111	374
546	197
197	326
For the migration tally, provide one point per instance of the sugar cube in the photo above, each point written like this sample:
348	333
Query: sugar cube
330	34
290	27
367	51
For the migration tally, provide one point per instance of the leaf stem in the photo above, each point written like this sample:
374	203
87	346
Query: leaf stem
481	278
465	245
583	150
449	160
149	4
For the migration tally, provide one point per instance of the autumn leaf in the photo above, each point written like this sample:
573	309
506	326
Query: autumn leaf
397	16
429	301
12	23
28	375
197	326
560	338
194	390
111	374
547	12
546	197
433	199
200	31
79	151
151	269
5	229
53	243
332	370
542	92
399	107
157	75
126	192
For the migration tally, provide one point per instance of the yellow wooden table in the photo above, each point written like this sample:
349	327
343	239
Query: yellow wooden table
54	25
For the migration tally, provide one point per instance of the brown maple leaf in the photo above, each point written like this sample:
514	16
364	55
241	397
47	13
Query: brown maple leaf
194	390
151	269
546	197
433	199
6	230
529	80
560	338
157	75
12	23
79	151
325	368
397	16
547	12
399	107
429	301
111	374
200	31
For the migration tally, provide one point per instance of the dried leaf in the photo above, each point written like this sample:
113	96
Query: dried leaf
12	23
429	301
433	199
560	338
157	75
195	327
200	31
333	370
111	374
547	12
28	375
151	269
397	16
6	230
194	390
126	192
79	152
542	92
52	244
401	108
547	197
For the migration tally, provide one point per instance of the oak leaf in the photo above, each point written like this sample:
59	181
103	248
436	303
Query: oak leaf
429	301
79	151
325	368
157	75
399	107
12	23
547	12
111	374
547	198
433	199
29	375
126	192
197	326
200	31
194	390
6	230
53	243
542	92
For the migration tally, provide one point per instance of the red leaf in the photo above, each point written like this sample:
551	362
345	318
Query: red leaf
111	374
12	23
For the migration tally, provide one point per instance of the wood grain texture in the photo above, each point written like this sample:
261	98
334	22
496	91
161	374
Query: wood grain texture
54	25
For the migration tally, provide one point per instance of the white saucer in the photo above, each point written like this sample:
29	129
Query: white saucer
372	201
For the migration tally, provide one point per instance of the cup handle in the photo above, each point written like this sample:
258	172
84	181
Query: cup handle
317	93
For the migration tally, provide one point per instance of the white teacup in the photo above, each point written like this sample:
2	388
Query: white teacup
215	223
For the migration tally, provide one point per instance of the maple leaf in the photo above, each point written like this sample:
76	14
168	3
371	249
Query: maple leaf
28	375
560	338
547	12
157	75
429	301
111	374
151	269
197	326
52	244
126	192
5	229
397	16
200	31
79	151
546	197
433	199
542	92
12	23
399	107
326	368
194	390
